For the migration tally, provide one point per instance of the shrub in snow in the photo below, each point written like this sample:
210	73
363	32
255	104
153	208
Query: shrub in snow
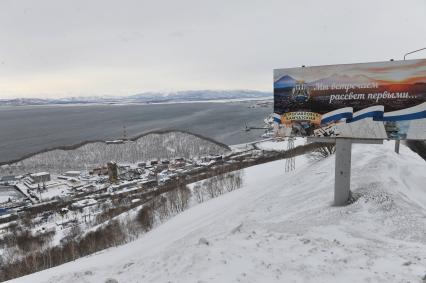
145	218
323	151
203	241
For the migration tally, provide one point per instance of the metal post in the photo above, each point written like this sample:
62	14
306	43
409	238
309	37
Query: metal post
342	173
397	142
424	48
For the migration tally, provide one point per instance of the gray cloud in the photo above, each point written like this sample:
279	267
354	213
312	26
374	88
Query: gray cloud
58	48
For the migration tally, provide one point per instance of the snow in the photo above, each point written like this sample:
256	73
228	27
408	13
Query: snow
40	174
84	203
282	227
56	189
7	192
267	144
279	145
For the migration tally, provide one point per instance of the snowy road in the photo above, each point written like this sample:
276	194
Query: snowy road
282	227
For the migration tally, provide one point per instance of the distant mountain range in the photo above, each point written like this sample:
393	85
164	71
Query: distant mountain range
151	97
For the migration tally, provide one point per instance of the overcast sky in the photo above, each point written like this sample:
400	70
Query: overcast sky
54	48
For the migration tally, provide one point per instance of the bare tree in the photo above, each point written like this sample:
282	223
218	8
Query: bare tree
198	192
145	218
322	152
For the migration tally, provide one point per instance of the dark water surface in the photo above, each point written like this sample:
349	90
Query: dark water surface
27	129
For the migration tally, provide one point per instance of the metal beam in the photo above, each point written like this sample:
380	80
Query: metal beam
354	140
321	139
405	55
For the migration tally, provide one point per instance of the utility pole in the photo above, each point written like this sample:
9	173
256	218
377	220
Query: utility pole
124	133
414	51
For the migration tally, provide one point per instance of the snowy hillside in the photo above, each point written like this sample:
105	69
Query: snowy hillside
150	146
282	227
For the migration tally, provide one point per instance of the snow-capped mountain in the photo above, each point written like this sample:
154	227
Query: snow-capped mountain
150	97
205	95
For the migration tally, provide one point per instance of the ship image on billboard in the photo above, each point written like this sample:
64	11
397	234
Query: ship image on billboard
382	100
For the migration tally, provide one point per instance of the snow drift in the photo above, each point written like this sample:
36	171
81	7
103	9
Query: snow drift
282	227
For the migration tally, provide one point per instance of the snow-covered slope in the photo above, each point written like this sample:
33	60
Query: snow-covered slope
282	227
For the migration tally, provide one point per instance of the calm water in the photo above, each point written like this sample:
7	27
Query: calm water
28	129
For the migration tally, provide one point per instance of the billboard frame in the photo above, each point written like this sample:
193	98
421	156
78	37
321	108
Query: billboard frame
363	71
343	154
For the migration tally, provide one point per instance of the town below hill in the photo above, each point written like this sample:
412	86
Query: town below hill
44	210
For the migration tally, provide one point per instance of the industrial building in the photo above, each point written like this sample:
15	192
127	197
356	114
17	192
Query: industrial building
40	177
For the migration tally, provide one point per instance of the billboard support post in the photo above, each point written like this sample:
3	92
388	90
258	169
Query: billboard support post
397	142
342	173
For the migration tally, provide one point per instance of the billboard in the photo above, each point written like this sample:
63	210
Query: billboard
382	100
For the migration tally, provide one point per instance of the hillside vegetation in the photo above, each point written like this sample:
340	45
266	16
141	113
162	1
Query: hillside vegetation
158	145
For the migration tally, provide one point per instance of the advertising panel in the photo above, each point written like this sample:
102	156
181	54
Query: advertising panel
382	100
